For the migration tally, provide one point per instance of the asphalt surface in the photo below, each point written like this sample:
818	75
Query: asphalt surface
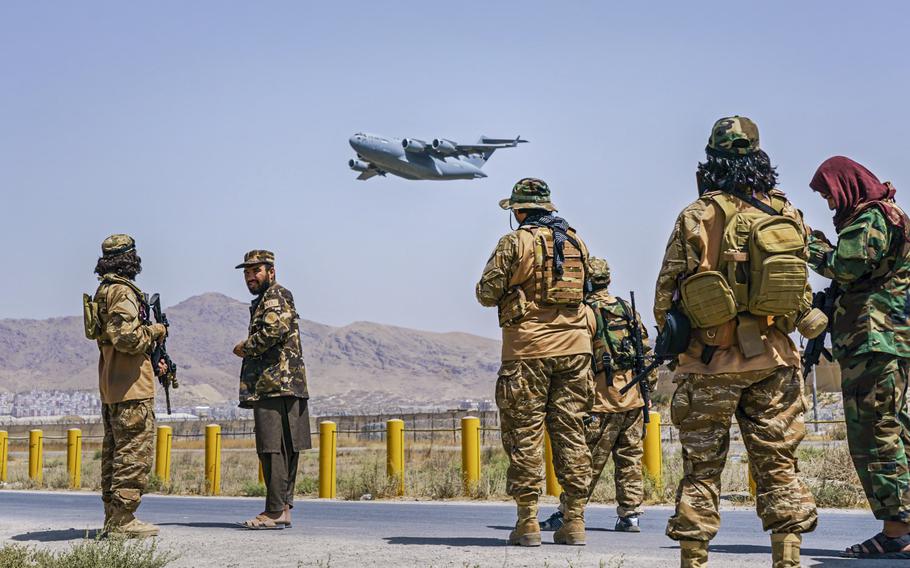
202	532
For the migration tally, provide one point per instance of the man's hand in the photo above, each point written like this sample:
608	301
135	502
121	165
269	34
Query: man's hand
158	331
162	367
238	349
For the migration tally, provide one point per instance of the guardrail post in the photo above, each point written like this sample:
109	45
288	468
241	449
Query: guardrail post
327	441
653	458
553	486
4	454
213	459
74	457
163	454
36	455
470	453
395	452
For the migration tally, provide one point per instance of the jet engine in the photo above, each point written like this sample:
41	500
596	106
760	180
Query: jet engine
411	145
358	166
444	146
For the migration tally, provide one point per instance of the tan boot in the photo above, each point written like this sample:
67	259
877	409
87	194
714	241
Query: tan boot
527	529
785	550
124	523
693	554
572	530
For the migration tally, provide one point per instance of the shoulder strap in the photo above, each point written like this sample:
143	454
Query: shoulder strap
724	202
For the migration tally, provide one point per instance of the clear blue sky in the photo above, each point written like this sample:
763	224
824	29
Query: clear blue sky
208	128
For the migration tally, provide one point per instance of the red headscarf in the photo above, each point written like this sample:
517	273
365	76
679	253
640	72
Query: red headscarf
854	188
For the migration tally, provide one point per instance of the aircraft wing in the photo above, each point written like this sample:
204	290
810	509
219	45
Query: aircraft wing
367	174
487	144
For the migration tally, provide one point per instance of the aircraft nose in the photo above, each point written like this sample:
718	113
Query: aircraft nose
355	141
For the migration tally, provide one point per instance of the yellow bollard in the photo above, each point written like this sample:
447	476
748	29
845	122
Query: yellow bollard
74	457
553	486
470	453
163	454
327	441
4	454
261	475
395	452
36	455
213	459
653	458
752	487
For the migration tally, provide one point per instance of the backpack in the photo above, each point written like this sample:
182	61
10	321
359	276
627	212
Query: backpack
566	289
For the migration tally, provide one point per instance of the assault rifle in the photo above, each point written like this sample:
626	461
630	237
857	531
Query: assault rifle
815	348
639	363
167	379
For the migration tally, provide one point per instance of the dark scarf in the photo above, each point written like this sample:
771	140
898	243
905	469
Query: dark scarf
854	189
560	229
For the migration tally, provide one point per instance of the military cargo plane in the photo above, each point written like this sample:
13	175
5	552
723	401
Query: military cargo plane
411	158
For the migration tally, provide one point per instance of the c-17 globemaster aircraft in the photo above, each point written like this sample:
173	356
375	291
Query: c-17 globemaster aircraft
411	158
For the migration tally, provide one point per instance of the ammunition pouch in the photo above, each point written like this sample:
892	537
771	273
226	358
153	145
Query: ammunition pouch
707	299
90	319
749	335
513	307
812	324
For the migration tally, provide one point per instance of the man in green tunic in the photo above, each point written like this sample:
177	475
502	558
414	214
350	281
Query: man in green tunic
870	336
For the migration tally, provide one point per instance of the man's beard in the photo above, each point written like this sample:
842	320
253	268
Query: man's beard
258	287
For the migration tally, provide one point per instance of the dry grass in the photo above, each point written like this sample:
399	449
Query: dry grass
433	472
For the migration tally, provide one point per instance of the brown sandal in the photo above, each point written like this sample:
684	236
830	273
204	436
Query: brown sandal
264	523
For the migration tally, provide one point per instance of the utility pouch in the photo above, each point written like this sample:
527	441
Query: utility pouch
723	335
674	338
708	300
90	320
513	307
749	337
778	266
812	324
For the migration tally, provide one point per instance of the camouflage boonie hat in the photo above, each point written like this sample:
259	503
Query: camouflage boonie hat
257	256
733	136
598	271
117	244
529	193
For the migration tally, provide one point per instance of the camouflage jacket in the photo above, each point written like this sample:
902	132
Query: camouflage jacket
871	262
125	369
613	346
272	357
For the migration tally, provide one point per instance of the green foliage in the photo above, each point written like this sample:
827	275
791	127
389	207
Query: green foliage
107	553
253	489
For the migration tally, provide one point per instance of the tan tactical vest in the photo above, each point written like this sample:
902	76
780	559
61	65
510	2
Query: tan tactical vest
761	270
94	309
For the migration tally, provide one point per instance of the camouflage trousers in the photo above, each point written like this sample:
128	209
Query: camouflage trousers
617	434
874	386
126	452
555	392
769	407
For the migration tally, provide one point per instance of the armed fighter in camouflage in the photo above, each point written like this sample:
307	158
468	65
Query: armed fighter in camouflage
411	158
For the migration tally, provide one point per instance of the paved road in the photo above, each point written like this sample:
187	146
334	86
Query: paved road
461	534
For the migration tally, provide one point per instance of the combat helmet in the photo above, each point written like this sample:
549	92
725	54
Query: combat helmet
732	137
598	272
529	193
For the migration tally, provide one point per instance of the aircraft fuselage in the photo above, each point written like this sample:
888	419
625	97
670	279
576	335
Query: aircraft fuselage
389	156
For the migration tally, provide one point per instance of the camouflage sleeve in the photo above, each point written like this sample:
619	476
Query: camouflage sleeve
123	325
277	319
498	272
652	376
860	248
681	257
820	250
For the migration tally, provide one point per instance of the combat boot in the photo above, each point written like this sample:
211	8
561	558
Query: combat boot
527	529
124	523
693	554
785	550
572	530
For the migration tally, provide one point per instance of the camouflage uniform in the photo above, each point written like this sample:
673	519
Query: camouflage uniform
763	391
545	378
273	383
127	386
870	336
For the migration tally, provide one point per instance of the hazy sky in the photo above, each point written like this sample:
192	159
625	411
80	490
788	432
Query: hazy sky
205	129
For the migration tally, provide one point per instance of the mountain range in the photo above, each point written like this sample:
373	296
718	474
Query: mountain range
358	367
